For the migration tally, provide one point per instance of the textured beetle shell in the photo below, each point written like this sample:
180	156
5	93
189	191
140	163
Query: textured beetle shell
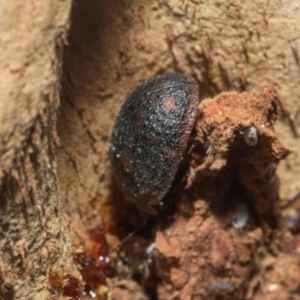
150	136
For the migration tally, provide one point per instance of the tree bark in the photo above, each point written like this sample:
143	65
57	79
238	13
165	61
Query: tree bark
34	233
58	103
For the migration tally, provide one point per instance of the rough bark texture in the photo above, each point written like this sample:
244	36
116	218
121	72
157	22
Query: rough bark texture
34	237
53	193
214	249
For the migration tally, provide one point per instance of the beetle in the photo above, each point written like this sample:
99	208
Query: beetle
150	135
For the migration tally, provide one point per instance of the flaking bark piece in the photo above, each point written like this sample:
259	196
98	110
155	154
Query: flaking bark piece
237	129
227	223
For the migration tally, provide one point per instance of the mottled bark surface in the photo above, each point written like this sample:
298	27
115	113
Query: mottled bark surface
34	239
56	180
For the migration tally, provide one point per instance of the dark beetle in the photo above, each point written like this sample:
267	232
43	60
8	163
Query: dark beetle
150	136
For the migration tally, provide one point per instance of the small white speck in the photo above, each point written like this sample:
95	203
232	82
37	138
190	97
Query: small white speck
208	149
241	217
191	171
104	259
272	287
117	155
92	294
8	153
250	136
167	232
270	170
291	221
220	286
150	248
